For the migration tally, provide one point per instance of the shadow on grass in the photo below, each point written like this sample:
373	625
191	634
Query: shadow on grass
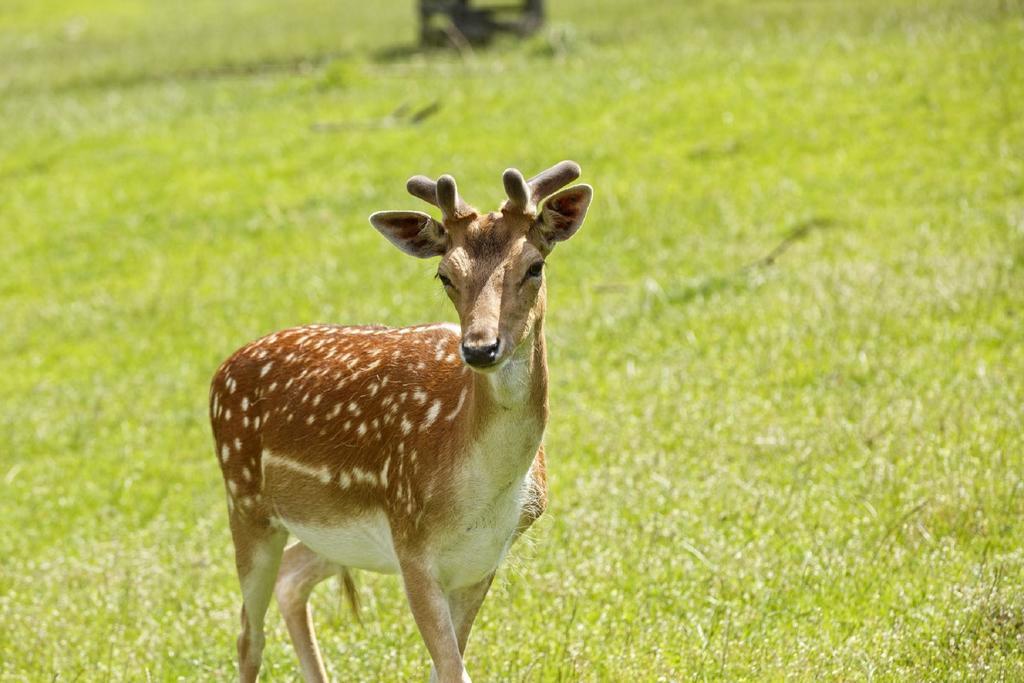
30	168
716	283
400	53
293	64
404	115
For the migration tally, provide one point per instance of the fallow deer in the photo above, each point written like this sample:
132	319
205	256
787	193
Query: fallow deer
413	451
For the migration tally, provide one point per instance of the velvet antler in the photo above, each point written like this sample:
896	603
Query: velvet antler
525	195
442	193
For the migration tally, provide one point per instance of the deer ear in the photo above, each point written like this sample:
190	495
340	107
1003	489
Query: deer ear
563	213
414	232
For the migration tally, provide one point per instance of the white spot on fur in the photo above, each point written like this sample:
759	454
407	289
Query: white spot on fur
273	460
364	477
458	406
432	412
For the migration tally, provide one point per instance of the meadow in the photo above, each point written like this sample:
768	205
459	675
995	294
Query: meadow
787	400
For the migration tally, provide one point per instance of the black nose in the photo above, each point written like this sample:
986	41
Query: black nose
481	356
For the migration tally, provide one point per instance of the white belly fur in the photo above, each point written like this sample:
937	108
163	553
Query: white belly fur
466	555
363	543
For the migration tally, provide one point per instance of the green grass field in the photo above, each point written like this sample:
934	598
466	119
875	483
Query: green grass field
802	465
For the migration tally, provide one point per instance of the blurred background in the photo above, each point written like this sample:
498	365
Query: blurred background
786	360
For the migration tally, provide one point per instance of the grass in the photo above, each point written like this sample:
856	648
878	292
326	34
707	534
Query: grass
803	467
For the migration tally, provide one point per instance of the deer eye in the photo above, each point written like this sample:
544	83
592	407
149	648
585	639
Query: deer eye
535	270
444	280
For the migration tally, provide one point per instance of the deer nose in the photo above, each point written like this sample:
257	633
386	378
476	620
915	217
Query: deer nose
481	355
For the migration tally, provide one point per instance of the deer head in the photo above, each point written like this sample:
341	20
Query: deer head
492	265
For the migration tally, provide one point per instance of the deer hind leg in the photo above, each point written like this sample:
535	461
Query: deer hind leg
258	549
301	570
464	604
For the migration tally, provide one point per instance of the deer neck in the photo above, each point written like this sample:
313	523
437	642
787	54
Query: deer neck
511	411
521	385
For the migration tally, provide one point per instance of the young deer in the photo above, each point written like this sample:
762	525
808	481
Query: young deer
413	451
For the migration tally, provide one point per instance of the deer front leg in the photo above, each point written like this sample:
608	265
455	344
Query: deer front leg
433	617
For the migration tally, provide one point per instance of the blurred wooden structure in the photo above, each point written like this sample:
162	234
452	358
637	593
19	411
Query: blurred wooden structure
457	22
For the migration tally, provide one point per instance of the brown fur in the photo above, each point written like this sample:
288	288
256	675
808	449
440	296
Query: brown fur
321	404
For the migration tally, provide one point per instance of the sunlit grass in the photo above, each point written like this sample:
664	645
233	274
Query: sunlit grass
804	468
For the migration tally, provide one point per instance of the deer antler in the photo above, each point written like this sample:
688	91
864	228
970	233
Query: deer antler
550	181
525	195
517	190
442	193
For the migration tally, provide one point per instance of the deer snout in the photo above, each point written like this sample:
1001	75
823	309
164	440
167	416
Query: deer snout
480	353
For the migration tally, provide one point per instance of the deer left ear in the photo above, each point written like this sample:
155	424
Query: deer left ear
563	213
414	232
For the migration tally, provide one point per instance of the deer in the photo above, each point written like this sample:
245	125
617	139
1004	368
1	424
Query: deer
414	451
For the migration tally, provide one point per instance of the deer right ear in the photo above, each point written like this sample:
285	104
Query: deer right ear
414	232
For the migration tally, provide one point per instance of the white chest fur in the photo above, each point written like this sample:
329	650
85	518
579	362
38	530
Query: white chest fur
493	487
476	547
